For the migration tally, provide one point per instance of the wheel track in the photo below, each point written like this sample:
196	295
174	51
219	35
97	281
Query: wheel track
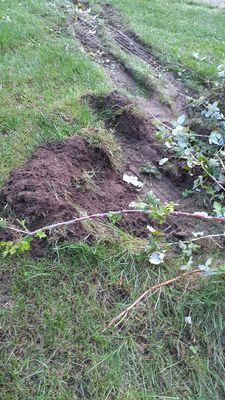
89	34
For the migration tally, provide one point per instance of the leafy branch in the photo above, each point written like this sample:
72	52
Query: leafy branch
151	207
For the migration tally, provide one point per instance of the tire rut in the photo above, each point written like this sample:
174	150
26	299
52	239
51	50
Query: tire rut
129	42
137	153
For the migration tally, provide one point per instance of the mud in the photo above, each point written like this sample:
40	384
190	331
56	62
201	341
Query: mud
124	114
66	178
85	30
62	180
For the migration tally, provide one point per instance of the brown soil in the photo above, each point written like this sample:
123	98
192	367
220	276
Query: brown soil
62	179
136	135
124	114
85	31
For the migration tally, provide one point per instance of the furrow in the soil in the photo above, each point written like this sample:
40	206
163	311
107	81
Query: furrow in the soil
129	45
122	78
129	42
120	75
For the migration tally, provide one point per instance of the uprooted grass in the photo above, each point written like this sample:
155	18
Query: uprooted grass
52	343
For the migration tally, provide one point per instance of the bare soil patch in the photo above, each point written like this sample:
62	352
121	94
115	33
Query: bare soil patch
63	179
141	152
85	30
131	43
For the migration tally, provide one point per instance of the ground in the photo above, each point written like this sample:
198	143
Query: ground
81	89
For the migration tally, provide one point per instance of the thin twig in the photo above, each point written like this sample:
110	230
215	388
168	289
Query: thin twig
119	318
213	236
213	178
201	216
159	121
12	228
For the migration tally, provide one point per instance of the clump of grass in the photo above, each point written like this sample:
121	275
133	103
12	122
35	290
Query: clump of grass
99	137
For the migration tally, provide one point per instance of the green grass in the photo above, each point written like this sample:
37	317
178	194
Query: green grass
176	29
43	73
52	341
54	309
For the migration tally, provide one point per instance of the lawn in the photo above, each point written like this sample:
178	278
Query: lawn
53	310
188	36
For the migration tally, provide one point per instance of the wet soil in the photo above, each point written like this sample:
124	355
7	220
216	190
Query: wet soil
134	134
131	43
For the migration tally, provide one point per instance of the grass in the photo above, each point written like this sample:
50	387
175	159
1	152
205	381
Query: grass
53	310
52	341
176	30
43	74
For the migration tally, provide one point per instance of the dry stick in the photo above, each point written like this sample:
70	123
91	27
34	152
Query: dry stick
119	318
179	214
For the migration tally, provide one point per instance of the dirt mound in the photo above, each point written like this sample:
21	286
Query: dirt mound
62	179
120	112
141	151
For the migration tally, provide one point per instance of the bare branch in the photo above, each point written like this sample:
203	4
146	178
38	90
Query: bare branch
119	318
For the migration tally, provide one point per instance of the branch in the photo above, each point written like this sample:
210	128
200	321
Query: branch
179	214
119	318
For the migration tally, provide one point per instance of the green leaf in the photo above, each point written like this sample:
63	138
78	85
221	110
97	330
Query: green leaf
139	205
3	223
150	169
41	235
194	349
114	218
156	258
163	161
216	138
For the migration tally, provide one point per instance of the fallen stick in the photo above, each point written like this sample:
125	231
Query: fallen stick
119	318
179	214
